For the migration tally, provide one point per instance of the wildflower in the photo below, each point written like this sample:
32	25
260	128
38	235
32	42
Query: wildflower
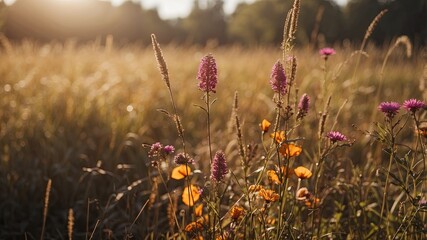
207	75
302	172
290	150
272	177
169	149
236	212
180	172
303	194
268	195
278	136
303	105
335	136
219	167
413	105
278	78
265	125
326	52
183	158
254	188
390	109
190	195
193	227
155	150
198	211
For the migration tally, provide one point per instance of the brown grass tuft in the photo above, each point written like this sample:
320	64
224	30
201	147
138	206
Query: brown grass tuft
70	223
46	205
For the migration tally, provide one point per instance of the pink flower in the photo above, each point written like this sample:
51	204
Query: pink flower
335	136
208	74
219	167
413	105
278	78
326	52
390	109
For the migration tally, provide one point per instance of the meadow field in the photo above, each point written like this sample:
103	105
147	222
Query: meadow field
87	130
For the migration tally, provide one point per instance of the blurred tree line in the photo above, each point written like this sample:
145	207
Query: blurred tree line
260	22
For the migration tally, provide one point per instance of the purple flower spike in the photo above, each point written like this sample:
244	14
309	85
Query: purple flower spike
413	105
390	109
183	158
303	105
208	74
326	52
335	136
278	78
169	149
219	167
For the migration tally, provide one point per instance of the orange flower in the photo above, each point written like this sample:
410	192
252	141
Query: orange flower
265	125
193	227
198	211
302	172
254	188
272	177
190	195
290	150
181	172
236	212
278	136
269	195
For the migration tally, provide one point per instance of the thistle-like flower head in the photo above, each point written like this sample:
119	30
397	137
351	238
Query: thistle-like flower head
390	109
413	105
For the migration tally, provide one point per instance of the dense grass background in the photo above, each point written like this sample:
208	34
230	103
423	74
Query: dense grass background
79	114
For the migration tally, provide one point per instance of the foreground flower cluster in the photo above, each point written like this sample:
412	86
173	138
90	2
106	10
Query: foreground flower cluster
284	187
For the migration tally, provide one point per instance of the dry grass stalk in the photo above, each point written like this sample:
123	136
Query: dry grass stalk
178	125
323	118
373	24
240	140
109	40
294	19
70	223
160	60
154	193
46	205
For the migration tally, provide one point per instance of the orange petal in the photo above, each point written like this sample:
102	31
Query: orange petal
302	172
272	177
198	211
265	125
290	150
278	136
190	195
181	172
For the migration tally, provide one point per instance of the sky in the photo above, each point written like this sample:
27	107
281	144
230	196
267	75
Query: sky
181	8
169	9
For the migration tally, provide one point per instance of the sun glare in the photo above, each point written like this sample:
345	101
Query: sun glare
9	2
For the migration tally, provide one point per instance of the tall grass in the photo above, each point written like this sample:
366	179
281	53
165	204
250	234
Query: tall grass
79	114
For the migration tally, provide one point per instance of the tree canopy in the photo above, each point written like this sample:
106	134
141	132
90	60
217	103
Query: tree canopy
261	22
